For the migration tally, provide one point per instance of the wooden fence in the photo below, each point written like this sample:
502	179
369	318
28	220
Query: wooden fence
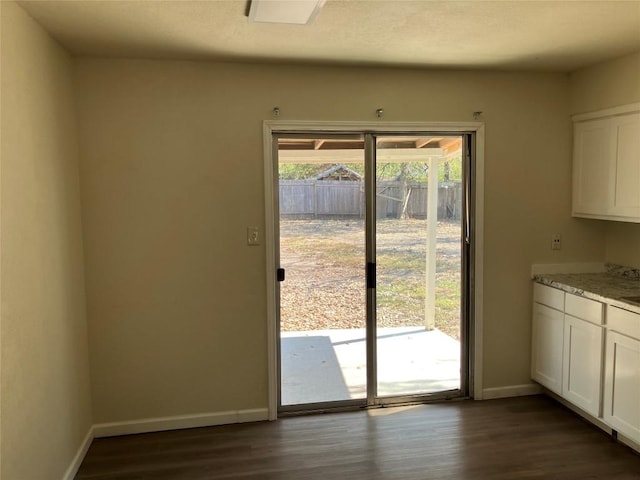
394	199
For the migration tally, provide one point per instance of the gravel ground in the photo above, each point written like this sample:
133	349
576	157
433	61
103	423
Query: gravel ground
325	283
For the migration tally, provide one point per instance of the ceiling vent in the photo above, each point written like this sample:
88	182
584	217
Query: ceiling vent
293	12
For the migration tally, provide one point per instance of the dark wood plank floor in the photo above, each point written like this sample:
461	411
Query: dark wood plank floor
520	438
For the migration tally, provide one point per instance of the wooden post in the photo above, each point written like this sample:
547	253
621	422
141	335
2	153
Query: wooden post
406	203
315	200
432	224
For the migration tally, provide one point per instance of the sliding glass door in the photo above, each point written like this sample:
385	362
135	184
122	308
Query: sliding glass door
418	237
371	252
322	250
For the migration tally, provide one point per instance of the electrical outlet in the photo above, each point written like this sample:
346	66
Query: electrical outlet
253	236
556	241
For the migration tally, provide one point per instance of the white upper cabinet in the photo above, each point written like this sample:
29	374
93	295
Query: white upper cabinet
606	164
591	167
625	166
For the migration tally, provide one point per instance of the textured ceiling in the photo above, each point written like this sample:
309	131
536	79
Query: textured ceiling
508	35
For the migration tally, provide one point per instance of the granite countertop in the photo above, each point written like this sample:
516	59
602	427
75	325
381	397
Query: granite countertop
610	287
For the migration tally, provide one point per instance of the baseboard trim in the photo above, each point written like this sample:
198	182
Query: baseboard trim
79	457
149	425
511	391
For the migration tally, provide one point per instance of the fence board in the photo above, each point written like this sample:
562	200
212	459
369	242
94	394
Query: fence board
346	198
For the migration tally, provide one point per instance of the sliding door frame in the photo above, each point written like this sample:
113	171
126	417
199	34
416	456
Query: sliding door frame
476	188
322	405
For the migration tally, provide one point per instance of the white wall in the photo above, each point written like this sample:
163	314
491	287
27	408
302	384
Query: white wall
172	174
46	405
609	84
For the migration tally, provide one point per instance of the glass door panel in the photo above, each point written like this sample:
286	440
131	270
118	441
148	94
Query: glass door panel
372	268
322	319
418	225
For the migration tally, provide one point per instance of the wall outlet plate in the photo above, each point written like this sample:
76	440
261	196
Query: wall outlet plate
556	241
253	236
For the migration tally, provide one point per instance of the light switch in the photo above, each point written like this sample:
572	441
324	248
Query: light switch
253	236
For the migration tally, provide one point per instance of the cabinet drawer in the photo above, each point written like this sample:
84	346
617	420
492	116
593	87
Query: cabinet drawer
583	308
552	297
623	321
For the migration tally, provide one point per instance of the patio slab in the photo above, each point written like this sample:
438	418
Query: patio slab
330	365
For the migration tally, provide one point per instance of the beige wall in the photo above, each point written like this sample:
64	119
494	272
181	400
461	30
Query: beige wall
172	174
623	244
46	405
605	85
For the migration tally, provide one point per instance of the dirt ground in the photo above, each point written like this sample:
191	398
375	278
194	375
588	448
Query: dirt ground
325	275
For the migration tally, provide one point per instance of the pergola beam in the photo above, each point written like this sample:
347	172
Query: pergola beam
391	155
422	142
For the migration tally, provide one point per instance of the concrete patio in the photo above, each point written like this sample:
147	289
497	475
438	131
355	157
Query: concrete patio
330	365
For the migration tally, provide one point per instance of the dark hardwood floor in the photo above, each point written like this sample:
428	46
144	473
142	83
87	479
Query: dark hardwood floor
520	438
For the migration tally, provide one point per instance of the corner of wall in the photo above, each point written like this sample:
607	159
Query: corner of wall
46	407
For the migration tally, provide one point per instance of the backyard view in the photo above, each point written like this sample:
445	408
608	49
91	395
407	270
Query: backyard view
319	249
323	249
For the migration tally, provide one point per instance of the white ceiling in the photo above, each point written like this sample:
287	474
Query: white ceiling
539	35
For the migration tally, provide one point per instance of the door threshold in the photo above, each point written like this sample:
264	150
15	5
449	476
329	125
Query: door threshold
294	411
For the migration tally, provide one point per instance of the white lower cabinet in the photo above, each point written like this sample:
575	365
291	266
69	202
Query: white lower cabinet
622	373
590	363
546	354
622	385
582	364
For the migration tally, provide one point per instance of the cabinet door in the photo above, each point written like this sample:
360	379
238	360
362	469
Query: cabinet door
591	167
624	186
622	385
546	347
582	364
